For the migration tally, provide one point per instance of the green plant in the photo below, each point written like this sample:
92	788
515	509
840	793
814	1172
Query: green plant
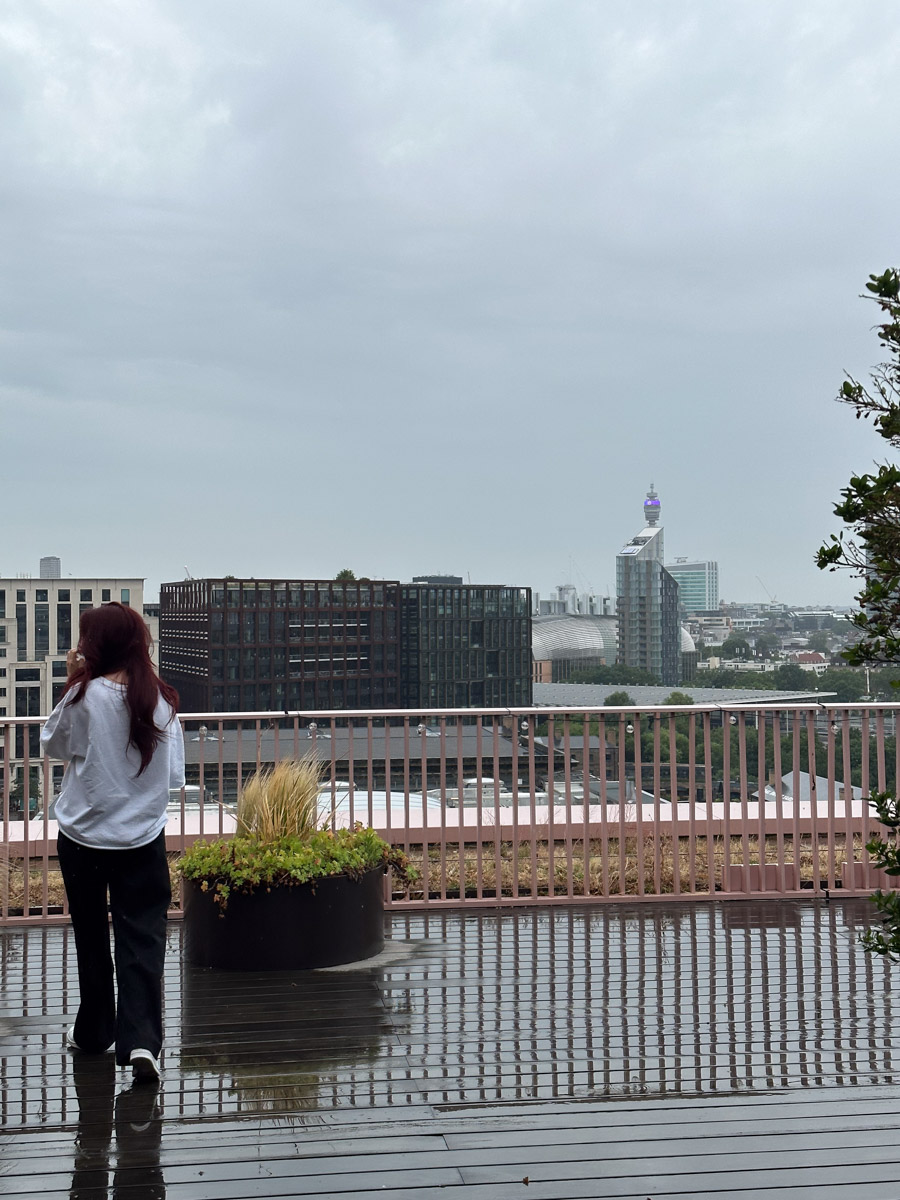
870	511
885	852
245	863
278	842
282	802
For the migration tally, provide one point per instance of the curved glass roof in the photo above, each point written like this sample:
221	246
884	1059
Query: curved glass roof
571	636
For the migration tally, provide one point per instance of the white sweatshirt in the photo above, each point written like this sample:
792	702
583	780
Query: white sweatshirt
104	803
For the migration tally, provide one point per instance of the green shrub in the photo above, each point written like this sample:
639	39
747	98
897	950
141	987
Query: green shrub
245	863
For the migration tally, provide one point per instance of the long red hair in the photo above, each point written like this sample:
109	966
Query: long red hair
114	638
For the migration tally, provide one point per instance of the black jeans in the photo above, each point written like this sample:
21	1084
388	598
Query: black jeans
139	889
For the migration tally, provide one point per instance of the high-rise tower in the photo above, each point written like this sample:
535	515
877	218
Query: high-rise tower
647	602
652	507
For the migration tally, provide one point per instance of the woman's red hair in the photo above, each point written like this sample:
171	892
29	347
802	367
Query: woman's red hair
114	638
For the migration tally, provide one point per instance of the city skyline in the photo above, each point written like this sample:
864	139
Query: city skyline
580	581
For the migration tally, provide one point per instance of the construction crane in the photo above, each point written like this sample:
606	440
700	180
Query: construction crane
772	598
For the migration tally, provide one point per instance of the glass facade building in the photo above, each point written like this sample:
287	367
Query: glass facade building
647	608
698	584
465	646
242	645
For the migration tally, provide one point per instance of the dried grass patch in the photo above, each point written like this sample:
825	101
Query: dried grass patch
629	868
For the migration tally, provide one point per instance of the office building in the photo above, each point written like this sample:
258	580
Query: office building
38	625
647	602
50	568
567	600
698	585
465	646
248	645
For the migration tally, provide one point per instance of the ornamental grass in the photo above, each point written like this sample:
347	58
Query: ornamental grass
279	842
282	802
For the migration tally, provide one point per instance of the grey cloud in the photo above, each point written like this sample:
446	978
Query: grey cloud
441	285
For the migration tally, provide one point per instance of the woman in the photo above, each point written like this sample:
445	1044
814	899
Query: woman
116	727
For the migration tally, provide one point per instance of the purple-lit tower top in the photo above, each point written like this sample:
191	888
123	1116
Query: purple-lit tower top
652	507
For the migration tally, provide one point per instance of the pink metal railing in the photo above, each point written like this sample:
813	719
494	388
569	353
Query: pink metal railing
532	805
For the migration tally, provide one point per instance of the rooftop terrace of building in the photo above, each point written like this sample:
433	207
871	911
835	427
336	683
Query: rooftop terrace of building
733	1050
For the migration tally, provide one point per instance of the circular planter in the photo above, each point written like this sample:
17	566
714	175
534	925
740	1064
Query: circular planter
340	920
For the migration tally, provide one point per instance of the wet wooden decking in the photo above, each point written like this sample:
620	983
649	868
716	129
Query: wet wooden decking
727	1050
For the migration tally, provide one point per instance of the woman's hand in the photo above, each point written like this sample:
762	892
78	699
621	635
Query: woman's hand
74	662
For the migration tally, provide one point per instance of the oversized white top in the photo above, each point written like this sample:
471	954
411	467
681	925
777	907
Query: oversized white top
104	803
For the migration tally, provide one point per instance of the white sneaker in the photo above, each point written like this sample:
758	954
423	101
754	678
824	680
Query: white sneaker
71	1044
144	1067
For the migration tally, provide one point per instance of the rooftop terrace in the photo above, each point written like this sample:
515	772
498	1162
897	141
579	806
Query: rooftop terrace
581	997
736	1050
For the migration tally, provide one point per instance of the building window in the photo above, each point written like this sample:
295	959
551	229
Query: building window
63	628
104	596
125	595
86	595
59	669
21	631
40	596
28	702
63	594
41	630
2	603
20	596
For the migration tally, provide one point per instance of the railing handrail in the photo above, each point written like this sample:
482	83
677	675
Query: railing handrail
626	802
425	714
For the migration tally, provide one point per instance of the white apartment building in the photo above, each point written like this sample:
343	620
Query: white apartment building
38	624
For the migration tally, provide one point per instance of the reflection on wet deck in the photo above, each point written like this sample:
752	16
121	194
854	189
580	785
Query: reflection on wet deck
472	1023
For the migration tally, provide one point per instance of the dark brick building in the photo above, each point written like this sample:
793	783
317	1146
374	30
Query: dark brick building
248	645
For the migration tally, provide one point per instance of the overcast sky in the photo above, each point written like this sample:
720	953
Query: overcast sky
418	286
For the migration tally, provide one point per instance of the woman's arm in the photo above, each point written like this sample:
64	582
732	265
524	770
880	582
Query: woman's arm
65	731
176	754
56	736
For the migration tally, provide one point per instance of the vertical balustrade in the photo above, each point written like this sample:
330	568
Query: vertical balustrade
682	811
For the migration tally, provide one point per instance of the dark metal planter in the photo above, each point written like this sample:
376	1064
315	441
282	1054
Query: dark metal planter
287	928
